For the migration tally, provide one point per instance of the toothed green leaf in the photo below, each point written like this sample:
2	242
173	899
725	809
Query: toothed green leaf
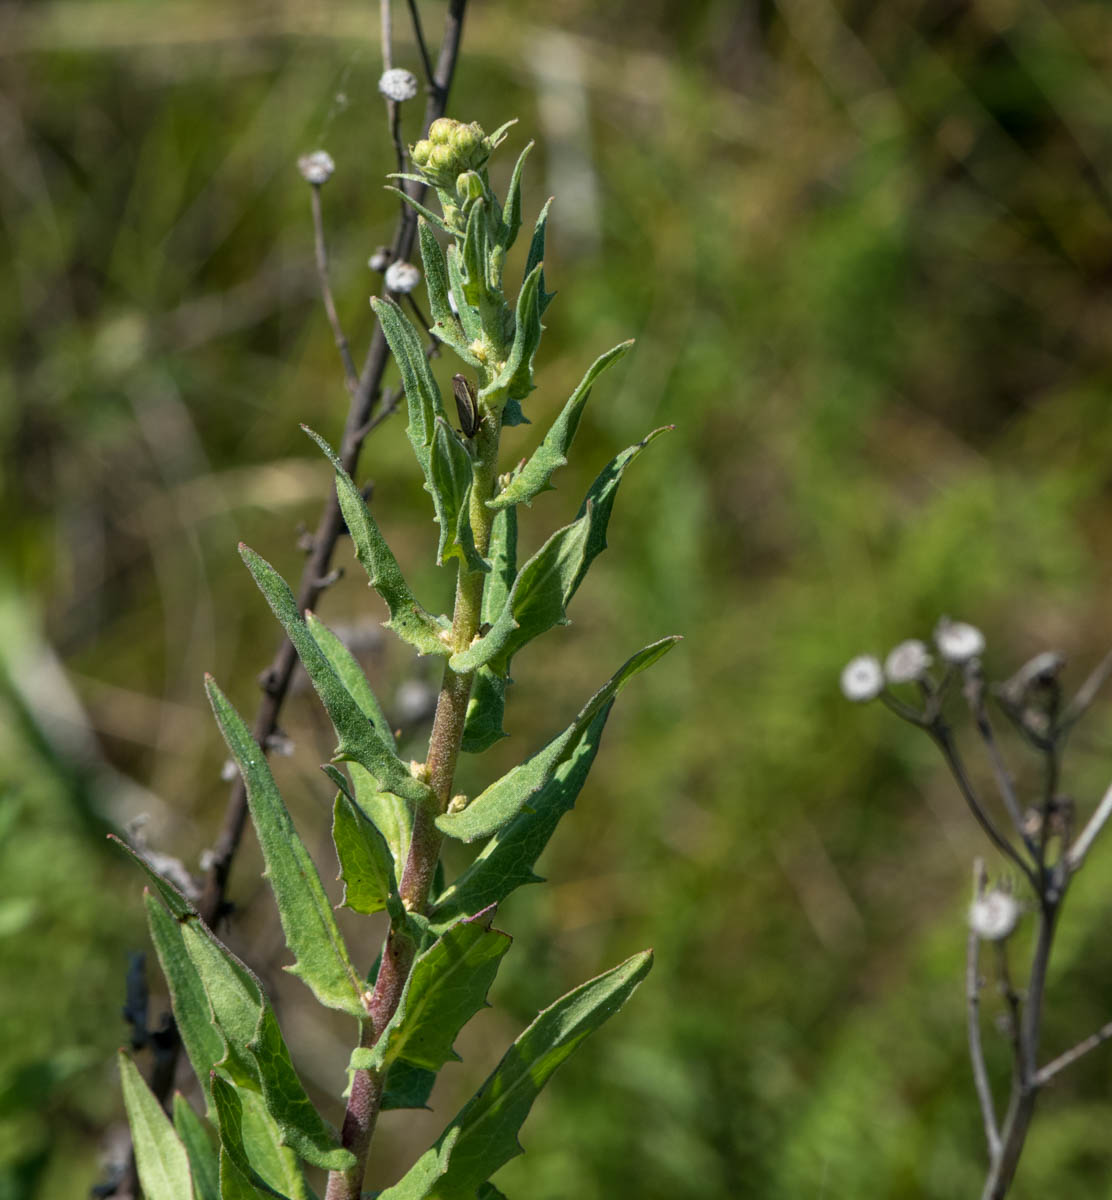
299	1125
506	861
202	1040
229	1120
421	392
536	256
322	960
511	213
447	986
469	317
366	865
203	1162
552	453
389	814
515	380
503	800
359	740
451	492
350	674
475	252
546	583
407	618
445	324
483	1136
253	1053
160	1157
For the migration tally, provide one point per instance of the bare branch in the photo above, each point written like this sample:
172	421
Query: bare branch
422	46
941	734
351	376
973	1005
1075	856
975	696
1086	694
1094	1040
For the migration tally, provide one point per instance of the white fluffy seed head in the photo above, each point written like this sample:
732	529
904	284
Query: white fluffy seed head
957	641
316	168
994	915
907	662
402	277
380	260
398	84
862	679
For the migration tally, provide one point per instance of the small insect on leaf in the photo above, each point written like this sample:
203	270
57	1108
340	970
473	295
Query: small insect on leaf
466	406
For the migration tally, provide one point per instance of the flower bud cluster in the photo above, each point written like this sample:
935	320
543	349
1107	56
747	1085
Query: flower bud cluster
450	150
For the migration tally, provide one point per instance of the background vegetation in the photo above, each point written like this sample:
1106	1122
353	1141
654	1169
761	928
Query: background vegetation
866	250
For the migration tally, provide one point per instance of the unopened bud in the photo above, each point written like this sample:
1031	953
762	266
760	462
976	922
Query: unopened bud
441	130
316	168
457	804
420	152
469	188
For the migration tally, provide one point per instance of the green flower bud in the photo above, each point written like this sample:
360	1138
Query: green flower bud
441	160
441	130
467	141
469	188
420	152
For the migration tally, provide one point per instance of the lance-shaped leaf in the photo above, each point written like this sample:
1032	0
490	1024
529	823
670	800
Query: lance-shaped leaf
322	960
203	1163
487	705
447	986
536	256
475	252
416	205
366	864
515	380
407	618
483	1136
252	1051
506	861
389	814
469	317
446	325
358	738
504	799
350	674
160	1157
229	1119
202	1040
552	453
451	493
511	214
546	583
421	392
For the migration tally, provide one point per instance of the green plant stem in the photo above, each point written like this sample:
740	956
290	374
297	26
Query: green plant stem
367	1087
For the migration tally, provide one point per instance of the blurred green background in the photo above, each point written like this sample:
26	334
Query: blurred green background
866	250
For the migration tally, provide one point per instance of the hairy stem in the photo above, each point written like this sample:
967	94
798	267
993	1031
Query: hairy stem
367	1089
